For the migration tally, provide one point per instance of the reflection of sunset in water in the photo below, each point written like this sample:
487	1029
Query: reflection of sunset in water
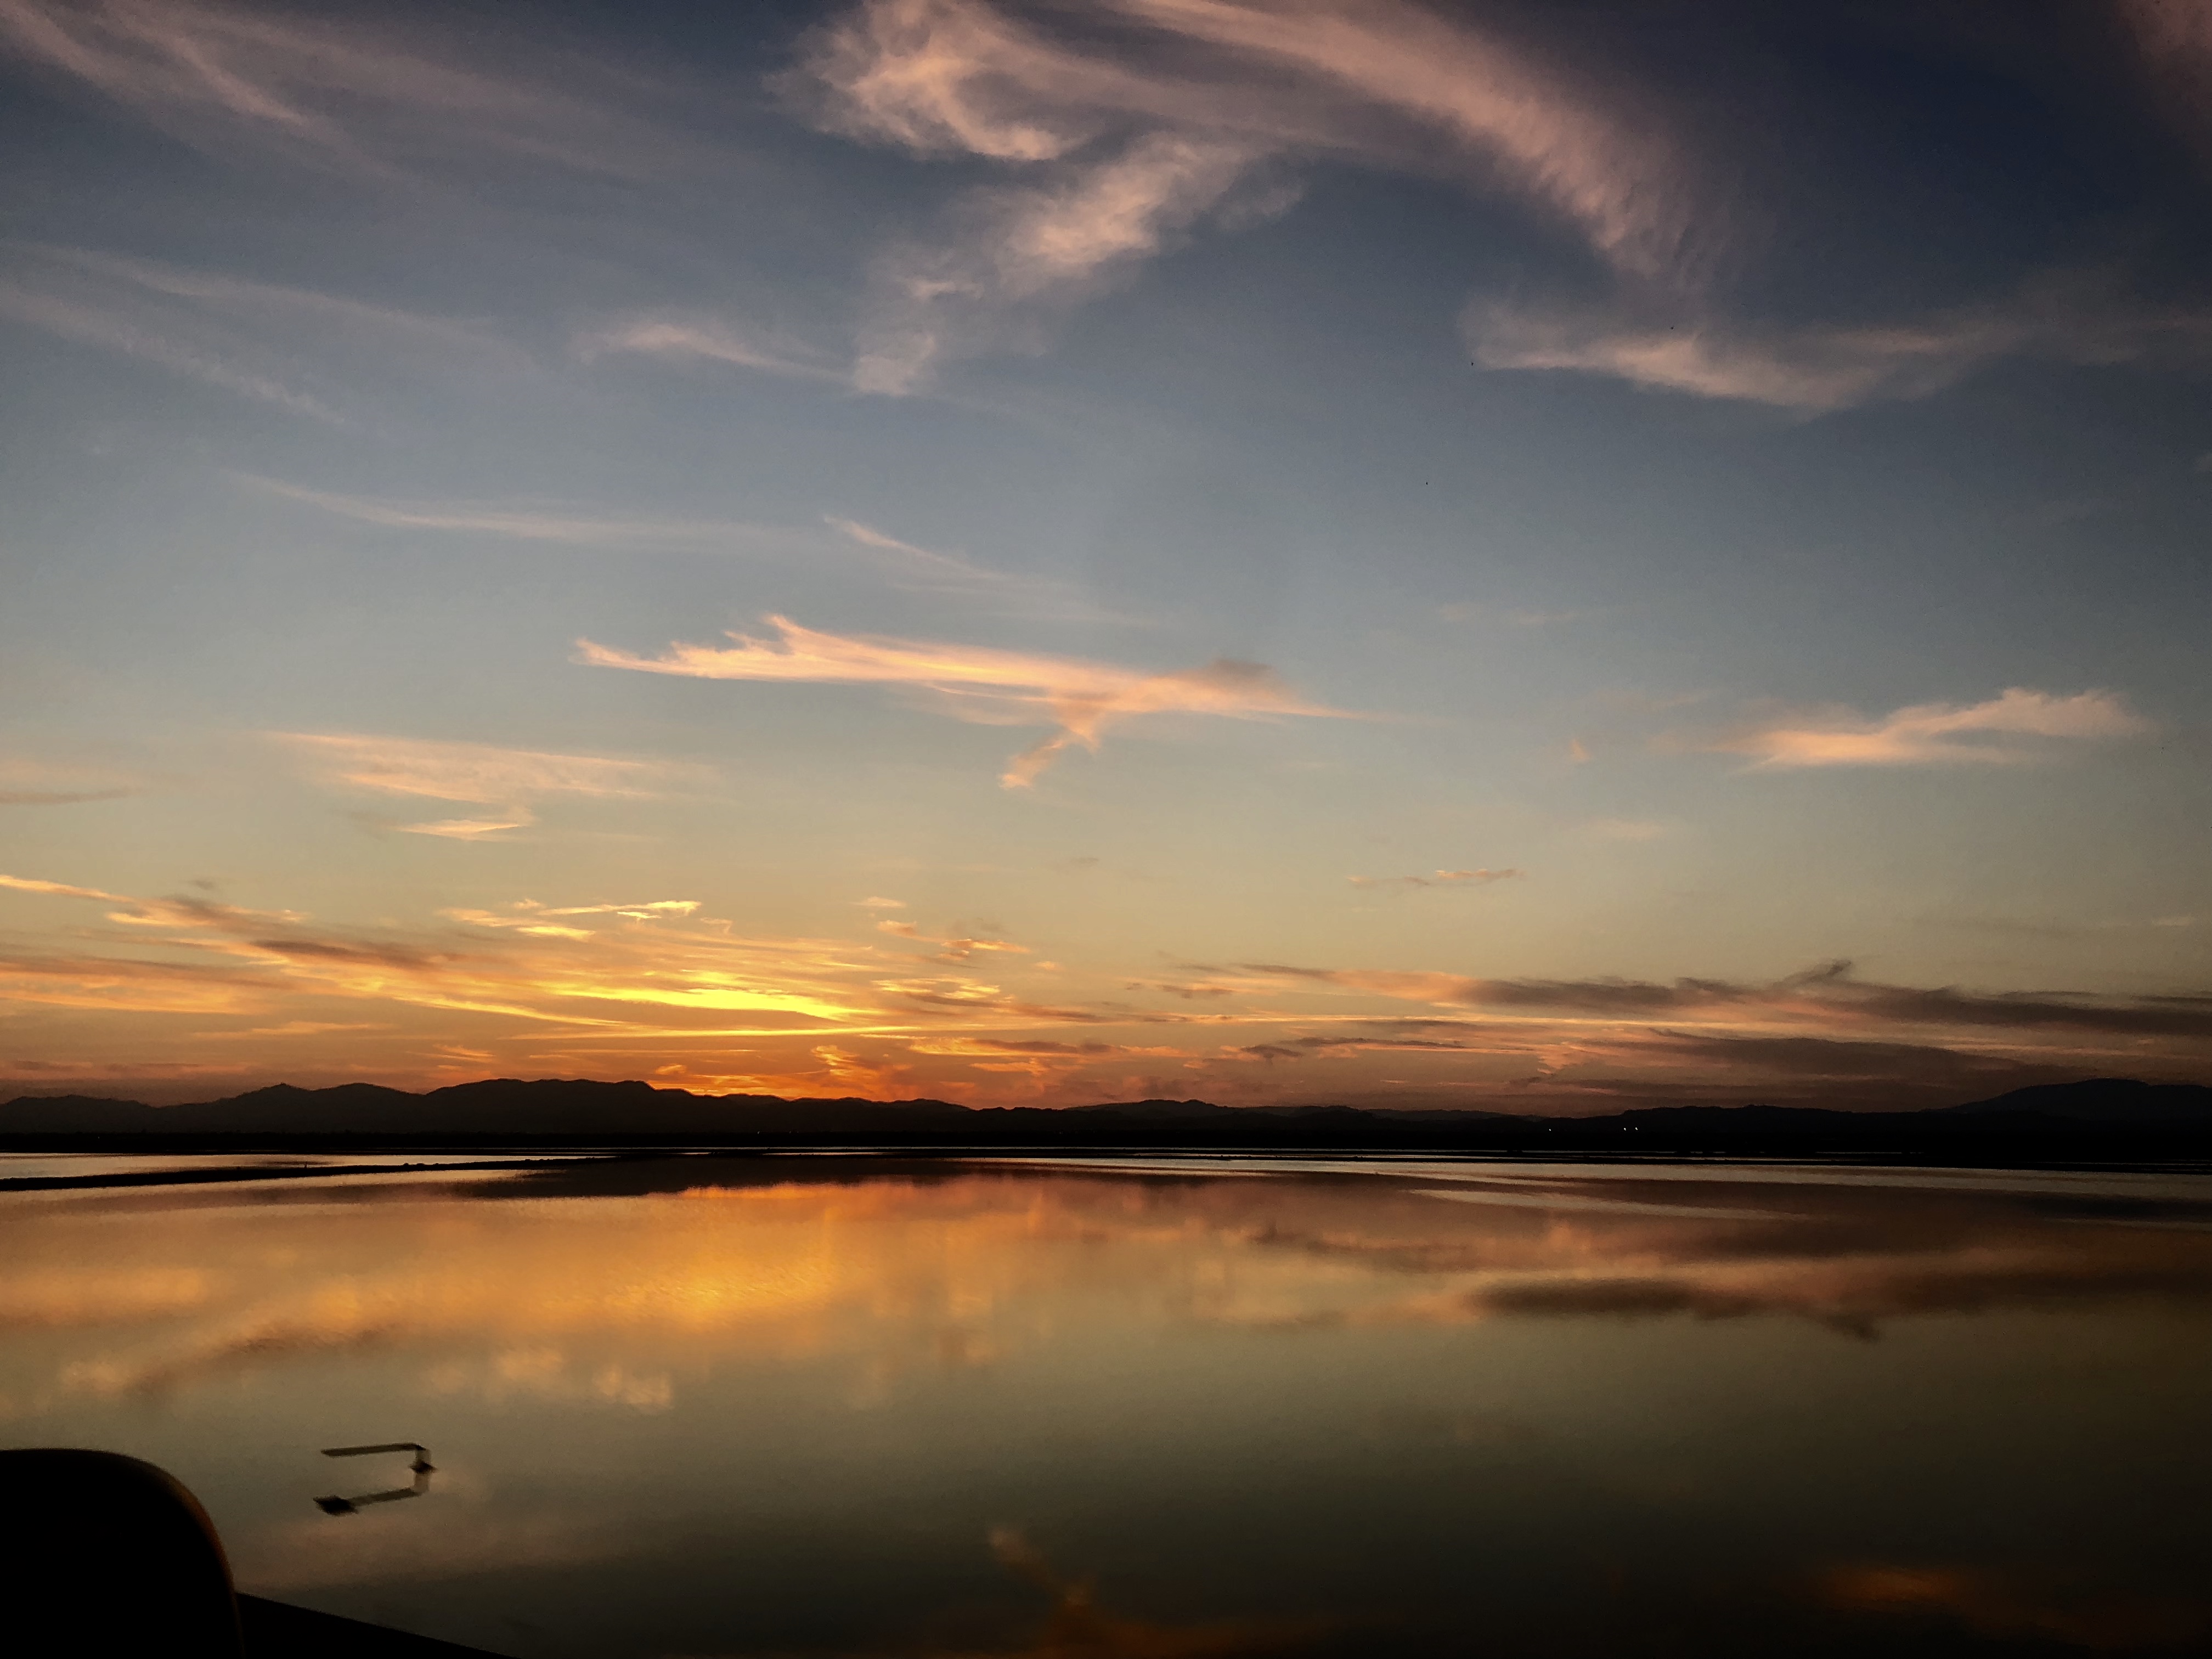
1262	1411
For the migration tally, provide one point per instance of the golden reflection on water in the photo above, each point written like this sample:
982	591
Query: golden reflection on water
784	1405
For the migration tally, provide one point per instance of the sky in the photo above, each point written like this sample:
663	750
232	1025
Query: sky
1543	558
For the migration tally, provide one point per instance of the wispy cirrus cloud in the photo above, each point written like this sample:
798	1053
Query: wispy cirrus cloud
924	568
1081	698
468	771
710	339
338	92
926	563
234	365
28	782
309	353
1818	369
1437	879
527	523
2015	725
902	563
1188	110
1019	254
1622	181
480	774
2173	39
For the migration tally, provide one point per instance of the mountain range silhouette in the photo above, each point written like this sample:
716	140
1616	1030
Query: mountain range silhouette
568	1111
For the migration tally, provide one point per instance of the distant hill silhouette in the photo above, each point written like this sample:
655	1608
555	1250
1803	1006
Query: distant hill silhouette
2103	1100
2162	1118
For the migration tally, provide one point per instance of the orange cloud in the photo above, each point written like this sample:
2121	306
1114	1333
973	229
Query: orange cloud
979	684
1934	733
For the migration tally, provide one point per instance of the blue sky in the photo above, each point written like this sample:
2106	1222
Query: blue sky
1272	549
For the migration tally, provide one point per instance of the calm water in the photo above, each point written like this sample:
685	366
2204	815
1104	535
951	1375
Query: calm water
846	1405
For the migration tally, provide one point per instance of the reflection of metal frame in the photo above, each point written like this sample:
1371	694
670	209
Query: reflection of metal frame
422	1467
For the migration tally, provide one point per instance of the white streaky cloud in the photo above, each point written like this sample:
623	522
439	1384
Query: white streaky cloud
1817	370
709	340
2173	39
85	325
478	774
880	903
983	684
383	327
1983	733
309	353
943	567
902	563
1036	248
1811	371
529	524
959	77
913	568
471	828
335	93
1135	135
1118	211
1619	184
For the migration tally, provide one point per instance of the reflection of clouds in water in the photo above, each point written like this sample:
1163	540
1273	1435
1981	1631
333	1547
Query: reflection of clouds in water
652	1389
415	1546
222	1352
548	1374
1079	1628
1614	1205
1859	1295
87	1296
891	1278
1853	1297
2062	1604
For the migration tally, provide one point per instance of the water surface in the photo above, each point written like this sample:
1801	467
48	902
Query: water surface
1173	1406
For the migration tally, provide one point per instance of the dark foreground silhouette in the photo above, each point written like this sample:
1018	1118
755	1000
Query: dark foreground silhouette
101	1554
2098	1118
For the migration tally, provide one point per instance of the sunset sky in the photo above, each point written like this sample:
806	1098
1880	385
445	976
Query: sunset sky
1535	558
